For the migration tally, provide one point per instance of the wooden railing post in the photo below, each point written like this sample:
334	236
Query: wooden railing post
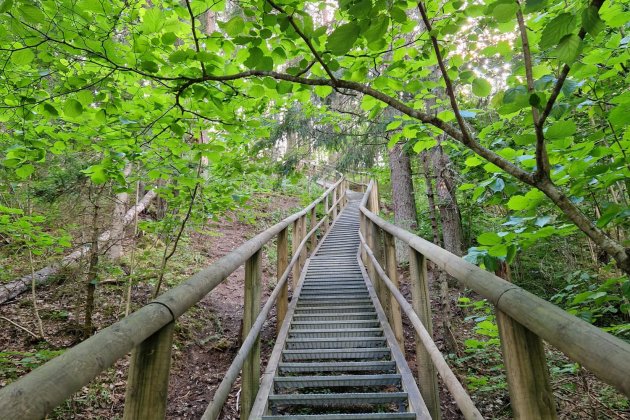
427	374
302	236
295	242
334	203
282	304
326	208
377	249
391	268
251	368
531	394
147	385
313	224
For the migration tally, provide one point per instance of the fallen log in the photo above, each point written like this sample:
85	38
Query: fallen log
15	288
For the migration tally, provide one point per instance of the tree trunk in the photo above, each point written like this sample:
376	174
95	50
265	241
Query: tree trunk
428	183
121	202
21	285
403	198
447	203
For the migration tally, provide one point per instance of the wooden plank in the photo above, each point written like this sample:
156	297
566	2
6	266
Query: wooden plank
391	266
427	374
304	251
147	384
334	203
251	367
531	394
282	250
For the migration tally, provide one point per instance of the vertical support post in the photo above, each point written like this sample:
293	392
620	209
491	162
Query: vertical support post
282	303
147	385
531	395
363	228
377	249
326	208
334	203
251	368
391	268
427	374
295	242
313	224
302	236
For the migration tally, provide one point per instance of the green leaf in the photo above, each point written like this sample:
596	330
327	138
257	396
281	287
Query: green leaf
234	26
150	66
377	30
505	12
561	129
555	30
323	91
568	48
343	38
152	21
51	110
591	21
481	87
73	108
255	56
25	171
5	5
534	5
489	238
22	57
32	14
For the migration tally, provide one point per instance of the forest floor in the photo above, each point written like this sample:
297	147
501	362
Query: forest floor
207	337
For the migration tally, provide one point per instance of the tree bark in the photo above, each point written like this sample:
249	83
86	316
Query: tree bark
447	203
121	202
428	183
403	199
19	286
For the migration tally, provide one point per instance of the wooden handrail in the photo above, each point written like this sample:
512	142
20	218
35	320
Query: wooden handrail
36	394
608	357
462	399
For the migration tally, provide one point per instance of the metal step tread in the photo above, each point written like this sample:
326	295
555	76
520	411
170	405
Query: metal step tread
322	367
347	399
355	416
337	381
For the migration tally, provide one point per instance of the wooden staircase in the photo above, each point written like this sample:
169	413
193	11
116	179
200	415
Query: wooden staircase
336	356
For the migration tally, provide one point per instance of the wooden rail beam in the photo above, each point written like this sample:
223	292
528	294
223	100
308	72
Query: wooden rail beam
282	249
147	384
251	367
427	374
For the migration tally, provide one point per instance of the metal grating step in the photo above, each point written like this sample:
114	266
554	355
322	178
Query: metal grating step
380	353
335	343
328	325
356	416
346	367
355	381
336	333
339	400
350	316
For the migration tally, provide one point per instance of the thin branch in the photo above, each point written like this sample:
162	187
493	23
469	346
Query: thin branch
597	4
194	35
542	160
304	38
20	327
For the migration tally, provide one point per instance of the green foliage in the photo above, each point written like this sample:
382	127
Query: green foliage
482	357
14	364
602	303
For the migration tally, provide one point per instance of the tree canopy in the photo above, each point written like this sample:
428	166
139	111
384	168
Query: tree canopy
533	95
